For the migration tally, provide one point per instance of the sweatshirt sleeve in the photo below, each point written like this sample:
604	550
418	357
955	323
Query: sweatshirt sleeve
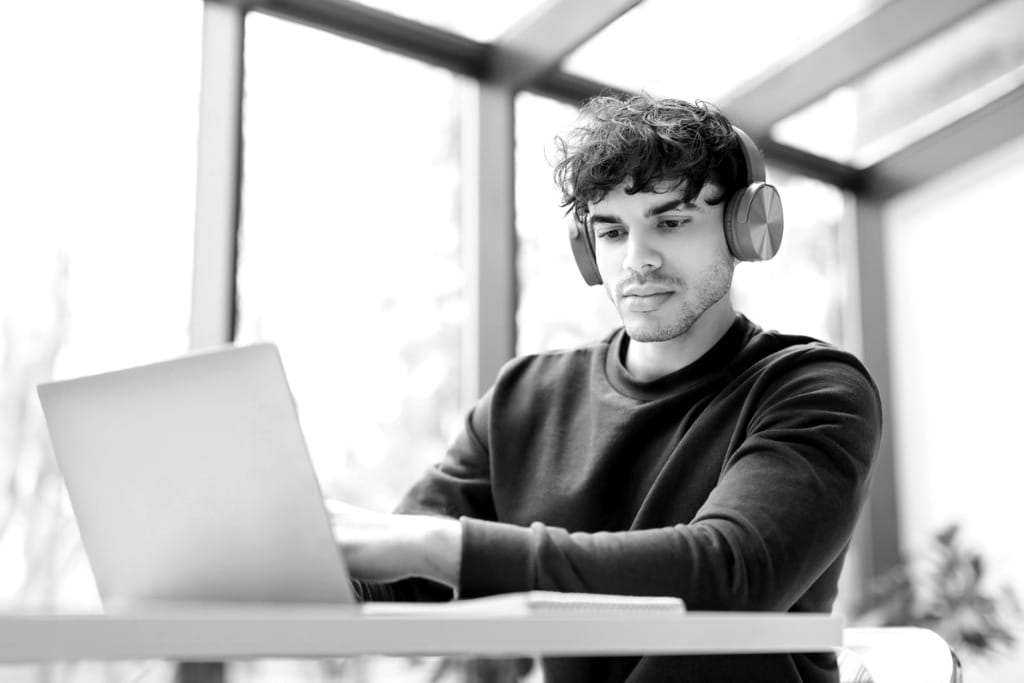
782	512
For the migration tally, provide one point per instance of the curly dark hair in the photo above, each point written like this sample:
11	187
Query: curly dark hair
647	140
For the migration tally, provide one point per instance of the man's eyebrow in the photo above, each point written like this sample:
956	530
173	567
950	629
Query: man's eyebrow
603	218
676	203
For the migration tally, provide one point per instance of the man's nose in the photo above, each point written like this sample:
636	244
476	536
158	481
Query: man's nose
641	255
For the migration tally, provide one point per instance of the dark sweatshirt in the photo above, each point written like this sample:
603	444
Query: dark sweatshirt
733	483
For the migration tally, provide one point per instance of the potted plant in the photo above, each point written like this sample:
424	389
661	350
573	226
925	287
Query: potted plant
945	590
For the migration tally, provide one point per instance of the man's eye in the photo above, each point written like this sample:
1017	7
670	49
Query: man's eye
609	234
673	222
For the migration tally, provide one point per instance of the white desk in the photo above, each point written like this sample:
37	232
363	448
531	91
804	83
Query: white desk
227	634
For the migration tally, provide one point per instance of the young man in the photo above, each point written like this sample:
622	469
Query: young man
689	453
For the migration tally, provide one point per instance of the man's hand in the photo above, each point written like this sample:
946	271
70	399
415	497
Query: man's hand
384	547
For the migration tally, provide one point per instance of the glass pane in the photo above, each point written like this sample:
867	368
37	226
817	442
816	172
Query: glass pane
482	21
549	283
956	374
936	83
98	135
803	289
704	50
350	250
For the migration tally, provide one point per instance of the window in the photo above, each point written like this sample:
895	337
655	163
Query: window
349	255
97	174
956	72
803	289
556	307
705	50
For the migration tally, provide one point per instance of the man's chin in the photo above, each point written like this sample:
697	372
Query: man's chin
652	332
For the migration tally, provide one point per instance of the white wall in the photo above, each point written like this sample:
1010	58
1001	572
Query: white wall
955	265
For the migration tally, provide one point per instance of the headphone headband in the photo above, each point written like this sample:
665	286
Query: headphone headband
751	157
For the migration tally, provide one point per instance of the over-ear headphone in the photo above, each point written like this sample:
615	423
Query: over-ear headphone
752	219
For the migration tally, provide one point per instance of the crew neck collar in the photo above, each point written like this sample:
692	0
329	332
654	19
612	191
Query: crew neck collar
716	359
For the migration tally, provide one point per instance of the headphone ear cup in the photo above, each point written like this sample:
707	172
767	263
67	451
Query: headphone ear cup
753	222
583	252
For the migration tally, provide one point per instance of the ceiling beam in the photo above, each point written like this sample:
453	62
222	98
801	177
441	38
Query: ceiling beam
540	41
570	88
888	30
805	163
958	143
384	30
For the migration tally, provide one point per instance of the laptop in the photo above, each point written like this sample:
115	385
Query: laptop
192	486
191	482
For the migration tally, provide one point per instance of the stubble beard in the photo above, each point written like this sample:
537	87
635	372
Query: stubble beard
712	285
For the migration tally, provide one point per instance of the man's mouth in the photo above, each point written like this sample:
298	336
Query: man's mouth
640	302
645	290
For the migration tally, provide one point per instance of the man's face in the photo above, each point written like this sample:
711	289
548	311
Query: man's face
664	261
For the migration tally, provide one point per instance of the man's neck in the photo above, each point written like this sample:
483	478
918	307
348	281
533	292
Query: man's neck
647	361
